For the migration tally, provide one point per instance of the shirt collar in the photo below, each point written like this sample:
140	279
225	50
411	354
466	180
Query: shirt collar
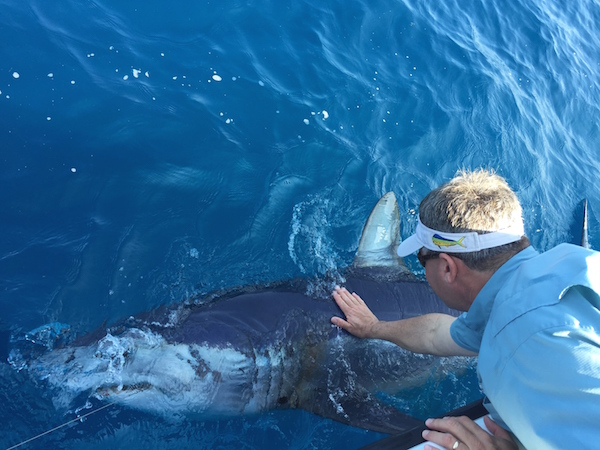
483	303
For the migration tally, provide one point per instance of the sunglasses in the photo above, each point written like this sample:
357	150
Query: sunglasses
423	258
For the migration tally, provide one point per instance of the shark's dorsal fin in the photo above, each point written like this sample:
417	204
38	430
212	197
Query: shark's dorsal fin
381	236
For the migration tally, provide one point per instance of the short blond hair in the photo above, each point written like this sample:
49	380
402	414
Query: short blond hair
480	201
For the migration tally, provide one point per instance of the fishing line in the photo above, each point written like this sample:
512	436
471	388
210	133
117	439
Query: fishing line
61	426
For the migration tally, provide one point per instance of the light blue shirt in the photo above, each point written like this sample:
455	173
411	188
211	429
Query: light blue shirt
536	327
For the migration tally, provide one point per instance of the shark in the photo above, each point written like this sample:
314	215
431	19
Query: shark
252	349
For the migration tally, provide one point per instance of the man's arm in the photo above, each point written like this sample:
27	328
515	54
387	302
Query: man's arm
429	333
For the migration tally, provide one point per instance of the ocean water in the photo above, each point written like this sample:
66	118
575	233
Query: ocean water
150	151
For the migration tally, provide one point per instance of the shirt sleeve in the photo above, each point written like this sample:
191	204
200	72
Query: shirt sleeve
463	335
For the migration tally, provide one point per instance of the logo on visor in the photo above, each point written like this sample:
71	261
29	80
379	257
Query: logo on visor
443	242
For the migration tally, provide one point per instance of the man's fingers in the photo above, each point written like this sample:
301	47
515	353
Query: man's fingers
359	319
339	322
442	439
496	429
449	424
449	430
345	296
457	428
357	298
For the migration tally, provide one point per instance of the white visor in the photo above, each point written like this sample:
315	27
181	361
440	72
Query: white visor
441	241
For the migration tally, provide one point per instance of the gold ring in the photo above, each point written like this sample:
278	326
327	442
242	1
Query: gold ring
455	446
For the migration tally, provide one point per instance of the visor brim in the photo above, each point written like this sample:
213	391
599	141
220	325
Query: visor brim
410	245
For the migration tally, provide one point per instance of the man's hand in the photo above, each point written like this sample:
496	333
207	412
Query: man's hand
359	318
429	333
461	433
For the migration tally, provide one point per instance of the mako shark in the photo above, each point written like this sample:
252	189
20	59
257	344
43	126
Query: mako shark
254	350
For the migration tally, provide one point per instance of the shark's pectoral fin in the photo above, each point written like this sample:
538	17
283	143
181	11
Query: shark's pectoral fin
363	410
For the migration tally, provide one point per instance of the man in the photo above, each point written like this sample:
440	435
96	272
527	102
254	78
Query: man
533	319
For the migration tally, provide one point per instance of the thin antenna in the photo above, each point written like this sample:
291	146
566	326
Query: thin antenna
584	231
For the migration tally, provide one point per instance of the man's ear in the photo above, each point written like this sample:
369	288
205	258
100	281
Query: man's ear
448	268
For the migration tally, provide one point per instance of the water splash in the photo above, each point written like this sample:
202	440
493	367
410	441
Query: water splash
310	244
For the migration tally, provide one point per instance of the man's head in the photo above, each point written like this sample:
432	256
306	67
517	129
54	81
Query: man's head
475	217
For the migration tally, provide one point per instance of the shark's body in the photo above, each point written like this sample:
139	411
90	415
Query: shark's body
259	349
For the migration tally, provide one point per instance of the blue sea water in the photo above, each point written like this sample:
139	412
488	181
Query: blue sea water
150	151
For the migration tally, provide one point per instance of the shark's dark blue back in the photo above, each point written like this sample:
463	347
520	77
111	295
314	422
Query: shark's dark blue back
393	294
251	319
